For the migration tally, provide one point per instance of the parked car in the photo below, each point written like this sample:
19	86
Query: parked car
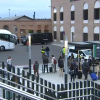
42	38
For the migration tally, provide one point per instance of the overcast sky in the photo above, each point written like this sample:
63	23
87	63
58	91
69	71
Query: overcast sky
25	7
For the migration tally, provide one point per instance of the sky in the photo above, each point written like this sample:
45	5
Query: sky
25	7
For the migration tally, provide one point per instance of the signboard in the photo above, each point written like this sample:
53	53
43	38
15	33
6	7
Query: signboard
98	51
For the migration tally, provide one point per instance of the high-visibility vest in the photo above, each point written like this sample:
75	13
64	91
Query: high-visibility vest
64	50
79	56
43	50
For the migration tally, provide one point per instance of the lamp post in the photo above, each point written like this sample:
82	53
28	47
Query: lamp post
29	38
66	66
9	12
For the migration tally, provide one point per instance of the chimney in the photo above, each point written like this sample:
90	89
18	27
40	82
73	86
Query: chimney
34	15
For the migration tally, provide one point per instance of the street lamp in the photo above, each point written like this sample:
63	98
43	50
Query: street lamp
66	66
9	12
29	39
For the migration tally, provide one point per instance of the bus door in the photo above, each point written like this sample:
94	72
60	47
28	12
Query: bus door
12	42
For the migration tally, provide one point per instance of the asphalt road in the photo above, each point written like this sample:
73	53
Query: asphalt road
20	55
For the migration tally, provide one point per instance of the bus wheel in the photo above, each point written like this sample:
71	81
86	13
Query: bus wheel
2	48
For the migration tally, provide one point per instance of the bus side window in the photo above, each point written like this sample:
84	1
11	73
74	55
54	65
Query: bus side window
4	37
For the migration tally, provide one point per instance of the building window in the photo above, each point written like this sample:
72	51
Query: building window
46	31
61	35
96	37
15	29
85	14
61	16
55	34
31	31
96	13
72	15
38	31
23	31
55	17
85	36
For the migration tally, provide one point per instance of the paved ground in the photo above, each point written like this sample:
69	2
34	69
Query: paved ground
20	55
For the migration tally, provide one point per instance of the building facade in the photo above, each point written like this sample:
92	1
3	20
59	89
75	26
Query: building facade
79	20
22	25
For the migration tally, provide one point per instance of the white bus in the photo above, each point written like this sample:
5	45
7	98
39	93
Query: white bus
6	40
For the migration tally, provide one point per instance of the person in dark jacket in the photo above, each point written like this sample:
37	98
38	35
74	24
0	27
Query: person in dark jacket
45	63
47	51
61	65
72	72
86	68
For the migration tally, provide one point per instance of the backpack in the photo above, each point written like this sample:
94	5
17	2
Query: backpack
55	62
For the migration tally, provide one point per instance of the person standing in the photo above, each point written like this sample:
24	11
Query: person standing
47	51
45	62
36	69
18	40
27	45
72	72
9	63
63	52
53	64
61	65
86	68
43	52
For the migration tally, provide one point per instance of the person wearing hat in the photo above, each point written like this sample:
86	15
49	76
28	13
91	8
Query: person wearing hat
36	69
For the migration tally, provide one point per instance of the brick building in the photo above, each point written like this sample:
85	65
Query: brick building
78	19
22	25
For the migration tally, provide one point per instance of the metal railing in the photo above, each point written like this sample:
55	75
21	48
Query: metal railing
83	90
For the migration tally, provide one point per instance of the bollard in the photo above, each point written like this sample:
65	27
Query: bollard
58	93
77	91
70	87
37	86
23	82
3	76
45	84
13	70
88	82
74	91
81	91
32	82
41	87
18	73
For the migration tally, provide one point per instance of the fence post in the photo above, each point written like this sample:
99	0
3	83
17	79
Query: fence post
77	91
53	87
59	93
45	84
88	90
85	92
81	91
92	84
99	92
28	78
23	82
96	92
32	82
49	91
41	87
3	76
74	91
8	92
13	70
70	90
18	73
37	86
